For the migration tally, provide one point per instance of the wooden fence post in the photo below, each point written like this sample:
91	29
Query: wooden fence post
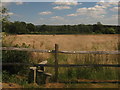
56	62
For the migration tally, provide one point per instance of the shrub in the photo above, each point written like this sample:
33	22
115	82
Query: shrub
15	57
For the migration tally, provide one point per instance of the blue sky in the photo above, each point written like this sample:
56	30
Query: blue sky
63	13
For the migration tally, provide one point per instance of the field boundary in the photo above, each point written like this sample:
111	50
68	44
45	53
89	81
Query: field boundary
56	65
53	51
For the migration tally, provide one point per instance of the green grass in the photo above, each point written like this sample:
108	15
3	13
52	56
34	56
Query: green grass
92	73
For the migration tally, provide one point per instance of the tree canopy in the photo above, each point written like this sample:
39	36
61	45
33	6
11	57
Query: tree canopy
18	27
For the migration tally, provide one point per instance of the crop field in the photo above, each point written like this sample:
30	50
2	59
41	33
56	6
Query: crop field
102	42
66	43
71	43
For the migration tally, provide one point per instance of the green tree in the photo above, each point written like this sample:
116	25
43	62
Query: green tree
20	27
43	28
4	18
31	27
98	28
109	31
5	15
16	28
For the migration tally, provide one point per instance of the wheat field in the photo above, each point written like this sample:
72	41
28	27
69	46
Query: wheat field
66	42
99	42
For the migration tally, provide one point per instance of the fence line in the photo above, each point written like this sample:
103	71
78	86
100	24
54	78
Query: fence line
65	52
62	65
115	82
56	65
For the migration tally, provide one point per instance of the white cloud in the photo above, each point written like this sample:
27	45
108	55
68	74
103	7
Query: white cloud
97	10
19	3
94	12
72	15
10	13
45	13
82	11
78	20
60	2
57	17
61	7
108	4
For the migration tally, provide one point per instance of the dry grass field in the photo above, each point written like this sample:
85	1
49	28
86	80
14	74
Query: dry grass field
66	42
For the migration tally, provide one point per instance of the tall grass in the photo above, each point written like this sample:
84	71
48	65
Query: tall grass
92	73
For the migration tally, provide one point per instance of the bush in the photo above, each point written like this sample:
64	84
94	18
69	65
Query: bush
7	77
15	57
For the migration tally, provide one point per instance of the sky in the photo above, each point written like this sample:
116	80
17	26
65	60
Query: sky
58	13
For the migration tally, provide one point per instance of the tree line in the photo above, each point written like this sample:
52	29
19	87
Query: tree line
18	27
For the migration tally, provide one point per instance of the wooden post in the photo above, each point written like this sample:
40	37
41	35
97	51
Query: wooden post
34	71
56	62
34	76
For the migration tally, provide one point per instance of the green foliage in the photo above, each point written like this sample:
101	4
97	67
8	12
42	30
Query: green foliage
4	18
95	73
5	15
7	77
31	27
16	57
11	73
24	28
71	73
16	28
91	73
109	31
62	59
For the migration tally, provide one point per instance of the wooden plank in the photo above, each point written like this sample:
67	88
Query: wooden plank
89	65
42	67
63	65
48	74
115	82
43	62
16	64
65	52
34	69
90	52
41	71
35	74
25	49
